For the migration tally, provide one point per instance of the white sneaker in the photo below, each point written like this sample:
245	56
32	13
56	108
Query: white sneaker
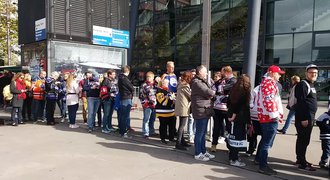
237	163
208	155
75	126
191	139
201	157
221	140
62	120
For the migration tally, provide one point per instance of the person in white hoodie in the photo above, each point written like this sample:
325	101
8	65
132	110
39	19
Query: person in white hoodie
72	99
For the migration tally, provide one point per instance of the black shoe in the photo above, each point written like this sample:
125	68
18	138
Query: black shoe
307	167
268	171
172	140
163	141
180	147
51	123
185	144
281	131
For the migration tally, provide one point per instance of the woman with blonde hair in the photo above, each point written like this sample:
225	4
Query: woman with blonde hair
28	101
291	102
72	99
18	89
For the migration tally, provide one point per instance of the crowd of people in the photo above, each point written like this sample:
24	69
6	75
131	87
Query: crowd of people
240	113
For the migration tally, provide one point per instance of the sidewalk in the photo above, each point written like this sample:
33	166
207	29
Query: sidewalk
36	151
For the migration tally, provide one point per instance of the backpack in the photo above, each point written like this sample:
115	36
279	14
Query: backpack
8	96
292	99
104	92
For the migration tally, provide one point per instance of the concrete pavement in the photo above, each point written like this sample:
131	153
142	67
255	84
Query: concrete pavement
36	151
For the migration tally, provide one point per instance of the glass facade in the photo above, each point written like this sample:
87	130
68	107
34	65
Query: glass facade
293	33
172	30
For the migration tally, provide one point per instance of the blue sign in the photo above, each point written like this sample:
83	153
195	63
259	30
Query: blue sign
40	29
110	37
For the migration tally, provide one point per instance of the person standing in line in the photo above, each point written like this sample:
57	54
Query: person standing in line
222	88
202	110
191	127
254	129
171	77
182	107
306	108
61	100
52	88
18	89
39	101
165	111
291	105
27	105
91	86
148	100
126	90
323	122
108	101
270	112
72	99
239	116
83	96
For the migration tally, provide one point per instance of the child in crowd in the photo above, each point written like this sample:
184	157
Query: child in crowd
323	123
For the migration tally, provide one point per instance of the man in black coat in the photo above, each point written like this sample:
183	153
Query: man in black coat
306	108
126	90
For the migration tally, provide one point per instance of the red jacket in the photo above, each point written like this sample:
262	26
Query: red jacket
269	104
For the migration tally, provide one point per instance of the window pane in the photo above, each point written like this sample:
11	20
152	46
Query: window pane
302	48
278	49
322	15
284	16
322	40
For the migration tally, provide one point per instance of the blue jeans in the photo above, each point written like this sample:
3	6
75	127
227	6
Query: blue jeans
72	111
325	150
268	135
288	120
93	105
191	126
125	110
149	116
61	103
38	108
201	128
108	107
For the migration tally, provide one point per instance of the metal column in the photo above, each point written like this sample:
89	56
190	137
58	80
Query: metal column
132	28
206	33
254	10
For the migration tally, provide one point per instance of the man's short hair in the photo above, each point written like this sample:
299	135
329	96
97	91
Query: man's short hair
110	71
125	69
199	68
227	69
171	63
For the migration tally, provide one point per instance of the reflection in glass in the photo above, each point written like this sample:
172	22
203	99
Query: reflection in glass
302	48
278	49
283	15
322	15
322	40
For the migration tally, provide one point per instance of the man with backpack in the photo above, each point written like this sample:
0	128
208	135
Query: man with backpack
306	108
108	92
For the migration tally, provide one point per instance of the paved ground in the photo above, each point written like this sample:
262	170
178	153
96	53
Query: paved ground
36	151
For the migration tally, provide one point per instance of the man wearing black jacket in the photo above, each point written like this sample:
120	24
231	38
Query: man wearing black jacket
126	90
306	108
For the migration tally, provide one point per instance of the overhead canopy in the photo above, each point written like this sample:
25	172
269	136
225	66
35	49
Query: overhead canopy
99	65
